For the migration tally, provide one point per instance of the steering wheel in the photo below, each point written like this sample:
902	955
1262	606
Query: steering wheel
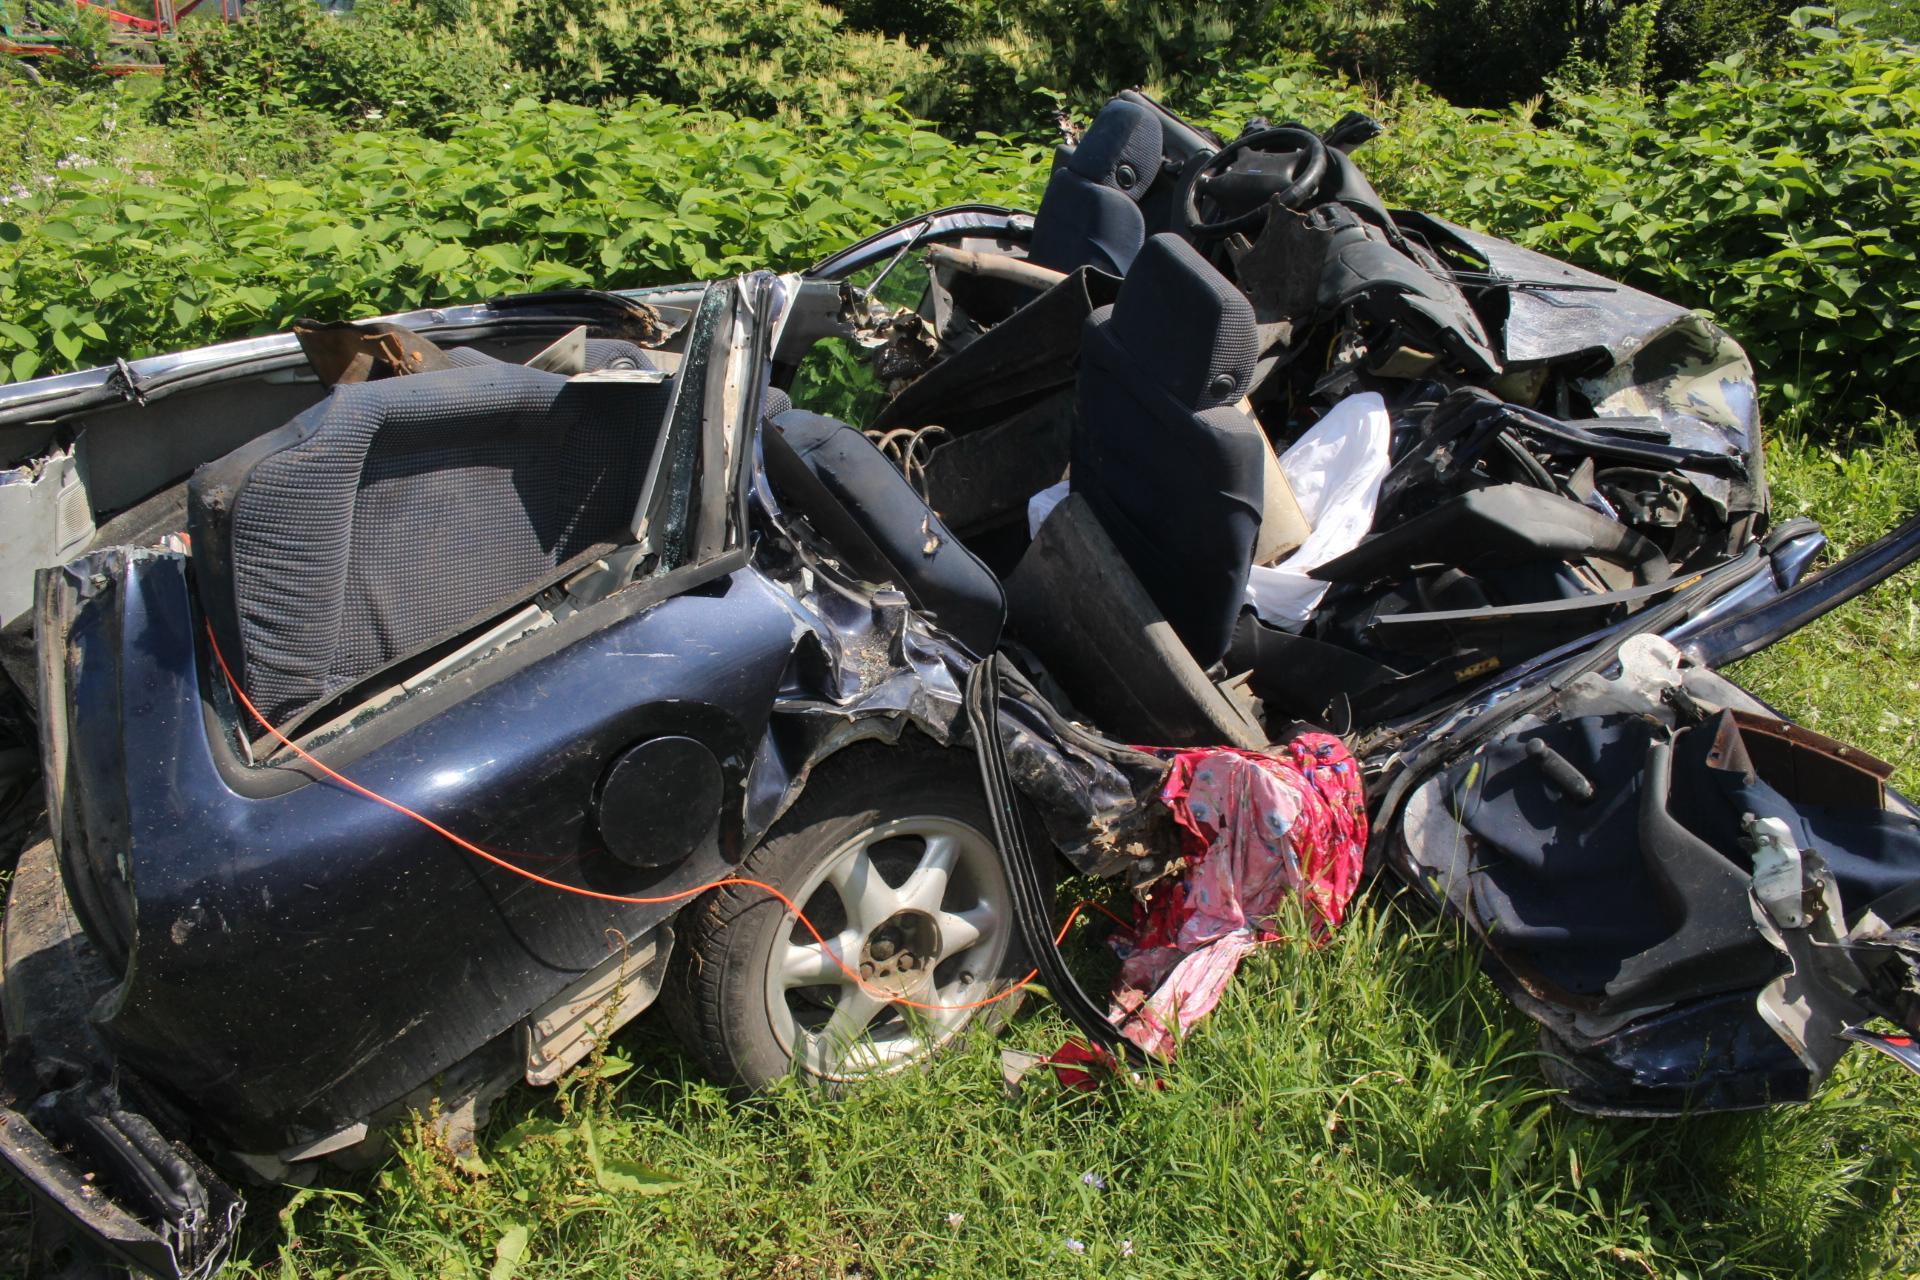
1287	162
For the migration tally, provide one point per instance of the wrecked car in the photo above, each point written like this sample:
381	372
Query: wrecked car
418	700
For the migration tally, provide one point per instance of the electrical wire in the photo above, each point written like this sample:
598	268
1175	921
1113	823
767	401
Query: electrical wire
627	899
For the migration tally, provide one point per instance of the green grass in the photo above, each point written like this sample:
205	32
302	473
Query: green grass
1856	674
1369	1108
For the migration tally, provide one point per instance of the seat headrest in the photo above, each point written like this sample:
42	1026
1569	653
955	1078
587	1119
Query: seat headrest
1187	326
1120	149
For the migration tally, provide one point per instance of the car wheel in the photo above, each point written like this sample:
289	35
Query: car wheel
890	854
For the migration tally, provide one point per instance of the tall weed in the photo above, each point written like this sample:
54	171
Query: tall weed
389	62
791	58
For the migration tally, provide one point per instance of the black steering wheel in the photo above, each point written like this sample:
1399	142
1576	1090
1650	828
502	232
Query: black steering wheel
1237	181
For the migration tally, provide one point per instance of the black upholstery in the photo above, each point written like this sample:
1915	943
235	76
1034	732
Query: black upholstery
399	513
1079	607
880	528
1171	468
1090	214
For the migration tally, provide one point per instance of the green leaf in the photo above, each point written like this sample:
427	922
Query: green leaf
443	258
25	365
529	1130
68	344
18	335
108	285
509	1251
9	232
620	1176
506	257
630	1177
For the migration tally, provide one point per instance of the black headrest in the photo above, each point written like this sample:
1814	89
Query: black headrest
1121	148
1191	330
879	526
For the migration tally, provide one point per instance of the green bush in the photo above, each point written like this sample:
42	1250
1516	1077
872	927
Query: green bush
531	196
1781	196
46	127
755	57
1017	61
1489	53
394	62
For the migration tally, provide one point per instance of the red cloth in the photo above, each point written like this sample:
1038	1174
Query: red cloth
1256	829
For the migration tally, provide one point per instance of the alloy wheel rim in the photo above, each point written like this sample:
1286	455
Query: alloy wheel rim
918	906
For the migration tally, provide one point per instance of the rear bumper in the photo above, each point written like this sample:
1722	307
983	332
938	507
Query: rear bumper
99	1204
90	1153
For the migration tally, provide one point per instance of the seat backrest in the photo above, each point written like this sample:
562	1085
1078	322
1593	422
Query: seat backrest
1172	469
400	513
1090	214
878	526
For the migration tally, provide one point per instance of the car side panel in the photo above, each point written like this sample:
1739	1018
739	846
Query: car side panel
301	959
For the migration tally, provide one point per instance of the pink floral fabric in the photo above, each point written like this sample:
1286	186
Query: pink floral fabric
1256	829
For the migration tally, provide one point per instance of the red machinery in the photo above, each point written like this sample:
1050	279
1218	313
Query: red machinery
30	39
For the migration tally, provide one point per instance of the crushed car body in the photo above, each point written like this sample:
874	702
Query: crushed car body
417	700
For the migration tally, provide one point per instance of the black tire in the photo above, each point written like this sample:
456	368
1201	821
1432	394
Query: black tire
723	992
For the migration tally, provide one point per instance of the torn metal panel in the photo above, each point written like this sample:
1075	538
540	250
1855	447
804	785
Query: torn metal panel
1710	964
192	1245
1557	311
564	1030
45	519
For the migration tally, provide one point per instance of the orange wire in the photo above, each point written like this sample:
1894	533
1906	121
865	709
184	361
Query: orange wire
680	896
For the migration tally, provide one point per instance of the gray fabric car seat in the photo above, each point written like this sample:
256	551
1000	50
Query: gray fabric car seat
1172	469
1090	214
399	513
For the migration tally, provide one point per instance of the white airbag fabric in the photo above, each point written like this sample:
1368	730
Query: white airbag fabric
1335	470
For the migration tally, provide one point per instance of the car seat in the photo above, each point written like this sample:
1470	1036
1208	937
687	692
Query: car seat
399	513
1090	214
1133	585
876	524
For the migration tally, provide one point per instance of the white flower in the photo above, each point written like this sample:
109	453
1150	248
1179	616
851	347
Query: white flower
956	1220
1074	1246
1126	1248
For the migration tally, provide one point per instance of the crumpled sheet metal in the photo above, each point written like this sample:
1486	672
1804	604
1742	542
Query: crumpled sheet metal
1257	831
1558	310
867	667
1694	378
